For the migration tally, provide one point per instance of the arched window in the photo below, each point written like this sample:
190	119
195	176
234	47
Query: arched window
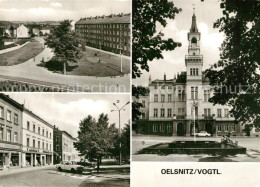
194	40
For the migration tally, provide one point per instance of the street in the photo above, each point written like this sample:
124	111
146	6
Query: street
49	176
141	141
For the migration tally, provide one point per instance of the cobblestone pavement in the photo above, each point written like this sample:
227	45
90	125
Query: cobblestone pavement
141	141
49	176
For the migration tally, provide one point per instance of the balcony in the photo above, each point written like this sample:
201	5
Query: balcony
180	117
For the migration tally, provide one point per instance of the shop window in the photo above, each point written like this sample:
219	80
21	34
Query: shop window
14	159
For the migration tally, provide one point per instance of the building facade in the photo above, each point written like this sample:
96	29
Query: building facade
22	32
180	106
109	33
37	142
10	132
64	147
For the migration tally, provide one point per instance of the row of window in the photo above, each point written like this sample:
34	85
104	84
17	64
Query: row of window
44	133
108	33
181	112
226	128
10	137
8	116
118	25
194	71
47	147
161	128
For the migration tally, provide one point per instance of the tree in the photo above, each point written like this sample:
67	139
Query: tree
95	138
125	141
147	43
65	43
235	76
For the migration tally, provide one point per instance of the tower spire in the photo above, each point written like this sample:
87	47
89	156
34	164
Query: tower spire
193	24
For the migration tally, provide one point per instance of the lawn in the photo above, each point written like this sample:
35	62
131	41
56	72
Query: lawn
21	55
98	64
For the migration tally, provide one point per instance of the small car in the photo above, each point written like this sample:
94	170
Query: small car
70	166
202	133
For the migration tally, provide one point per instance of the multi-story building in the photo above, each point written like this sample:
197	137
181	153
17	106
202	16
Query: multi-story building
110	33
10	132
64	146
180	106
37	142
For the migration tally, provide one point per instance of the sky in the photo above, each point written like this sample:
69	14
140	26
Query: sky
174	61
66	110
55	10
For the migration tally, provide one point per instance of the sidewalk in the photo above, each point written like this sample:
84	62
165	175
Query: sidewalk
12	48
21	170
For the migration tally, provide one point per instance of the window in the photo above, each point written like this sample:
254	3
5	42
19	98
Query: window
162	98
162	112
8	135
226	112
179	112
57	138
46	133
1	133
196	111
155	112
143	103
143	116
233	128
155	87
155	97
219	113
194	71
169	98
169	128
39	130
181	95
155	128
194	92
8	116
206	95
28	125
169	87
39	144
50	147
33	127
47	146
207	112
226	128
169	112
42	145
16	119
15	137
161	128
50	136
163	86
28	142
1	112
57	147
43	132
33	143
219	128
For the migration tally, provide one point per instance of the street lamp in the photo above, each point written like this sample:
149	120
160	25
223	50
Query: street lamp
119	110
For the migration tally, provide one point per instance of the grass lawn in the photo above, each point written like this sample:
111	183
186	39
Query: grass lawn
99	65
21	55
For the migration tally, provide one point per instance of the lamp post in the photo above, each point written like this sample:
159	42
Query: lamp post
119	110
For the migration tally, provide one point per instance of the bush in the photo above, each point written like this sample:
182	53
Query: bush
54	65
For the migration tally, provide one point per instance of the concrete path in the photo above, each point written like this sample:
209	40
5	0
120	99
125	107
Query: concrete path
30	70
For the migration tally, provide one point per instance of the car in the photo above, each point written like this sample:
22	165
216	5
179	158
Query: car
70	166
202	133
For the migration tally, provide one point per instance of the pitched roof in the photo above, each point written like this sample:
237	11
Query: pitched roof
125	18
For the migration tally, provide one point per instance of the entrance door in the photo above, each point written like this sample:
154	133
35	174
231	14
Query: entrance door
208	128
180	129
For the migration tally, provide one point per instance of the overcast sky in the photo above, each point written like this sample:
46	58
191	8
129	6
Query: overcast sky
67	110
174	61
48	10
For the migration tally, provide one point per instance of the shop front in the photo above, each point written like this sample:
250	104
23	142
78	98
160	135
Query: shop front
10	155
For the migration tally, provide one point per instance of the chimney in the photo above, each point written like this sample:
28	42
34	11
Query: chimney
164	77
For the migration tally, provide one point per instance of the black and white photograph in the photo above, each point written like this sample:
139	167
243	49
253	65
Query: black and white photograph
196	81
58	139
65	46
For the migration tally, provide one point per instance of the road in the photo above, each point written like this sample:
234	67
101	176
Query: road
141	141
30	71
49	176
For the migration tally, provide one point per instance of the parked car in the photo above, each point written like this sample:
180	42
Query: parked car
202	133
70	166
